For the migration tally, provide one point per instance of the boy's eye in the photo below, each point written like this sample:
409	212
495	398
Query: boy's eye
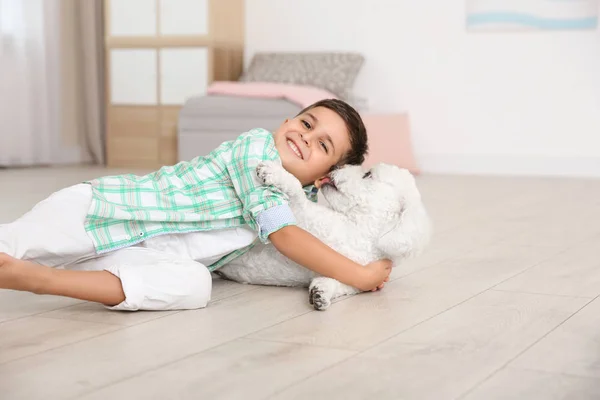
324	147
306	124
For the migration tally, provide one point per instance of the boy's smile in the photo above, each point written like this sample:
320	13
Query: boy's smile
295	148
312	143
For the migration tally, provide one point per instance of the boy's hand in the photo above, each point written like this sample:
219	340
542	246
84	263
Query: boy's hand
382	285
378	272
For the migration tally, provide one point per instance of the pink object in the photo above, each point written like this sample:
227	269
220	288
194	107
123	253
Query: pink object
302	95
390	141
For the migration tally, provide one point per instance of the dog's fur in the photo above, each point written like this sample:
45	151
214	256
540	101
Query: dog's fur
373	215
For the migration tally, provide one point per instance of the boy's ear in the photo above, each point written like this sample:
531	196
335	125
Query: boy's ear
319	182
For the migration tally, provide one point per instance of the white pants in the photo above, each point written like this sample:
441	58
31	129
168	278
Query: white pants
163	273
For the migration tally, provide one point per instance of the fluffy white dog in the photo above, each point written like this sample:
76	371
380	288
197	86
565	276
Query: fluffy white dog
372	215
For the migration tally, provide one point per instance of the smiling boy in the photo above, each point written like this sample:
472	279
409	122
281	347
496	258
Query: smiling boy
150	242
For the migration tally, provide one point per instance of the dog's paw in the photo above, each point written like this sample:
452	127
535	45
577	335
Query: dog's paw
267	172
319	299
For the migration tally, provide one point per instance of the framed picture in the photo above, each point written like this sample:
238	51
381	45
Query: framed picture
519	15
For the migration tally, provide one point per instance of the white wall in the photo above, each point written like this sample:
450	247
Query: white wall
508	103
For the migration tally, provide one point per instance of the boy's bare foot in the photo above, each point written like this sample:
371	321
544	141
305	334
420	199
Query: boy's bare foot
20	275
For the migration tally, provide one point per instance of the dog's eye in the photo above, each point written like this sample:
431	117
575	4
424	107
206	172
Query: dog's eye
367	175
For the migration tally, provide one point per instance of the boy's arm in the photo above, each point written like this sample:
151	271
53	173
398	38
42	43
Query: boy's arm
308	251
264	209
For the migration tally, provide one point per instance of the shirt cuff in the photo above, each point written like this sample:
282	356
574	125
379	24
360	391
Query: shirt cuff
273	219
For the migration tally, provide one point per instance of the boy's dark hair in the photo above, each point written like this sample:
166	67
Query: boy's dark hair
354	124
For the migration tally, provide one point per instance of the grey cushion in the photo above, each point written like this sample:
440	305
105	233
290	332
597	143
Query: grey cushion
335	72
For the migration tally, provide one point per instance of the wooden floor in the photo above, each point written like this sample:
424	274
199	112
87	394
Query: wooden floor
503	305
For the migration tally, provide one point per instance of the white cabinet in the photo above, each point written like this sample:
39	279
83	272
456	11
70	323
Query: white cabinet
158	17
184	72
183	17
159	53
132	17
138	76
133	76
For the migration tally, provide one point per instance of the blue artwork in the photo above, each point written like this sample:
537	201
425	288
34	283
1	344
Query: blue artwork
510	15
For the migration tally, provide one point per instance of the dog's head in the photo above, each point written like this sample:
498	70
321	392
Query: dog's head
386	198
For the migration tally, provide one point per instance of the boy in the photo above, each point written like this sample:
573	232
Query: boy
145	242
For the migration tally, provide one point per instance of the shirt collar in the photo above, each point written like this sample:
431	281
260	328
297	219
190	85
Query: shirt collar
312	192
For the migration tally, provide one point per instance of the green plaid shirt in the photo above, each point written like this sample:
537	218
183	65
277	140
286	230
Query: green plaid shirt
216	191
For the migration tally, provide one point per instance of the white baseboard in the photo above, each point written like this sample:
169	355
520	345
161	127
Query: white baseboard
585	167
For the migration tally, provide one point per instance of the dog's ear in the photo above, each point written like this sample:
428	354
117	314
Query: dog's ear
408	234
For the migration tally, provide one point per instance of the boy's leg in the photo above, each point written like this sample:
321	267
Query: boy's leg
98	286
130	279
53	232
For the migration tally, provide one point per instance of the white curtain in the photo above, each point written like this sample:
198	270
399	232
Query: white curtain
42	94
26	93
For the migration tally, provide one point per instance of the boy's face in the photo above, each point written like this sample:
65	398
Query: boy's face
311	143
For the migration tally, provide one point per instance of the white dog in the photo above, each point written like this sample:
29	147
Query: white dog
372	215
